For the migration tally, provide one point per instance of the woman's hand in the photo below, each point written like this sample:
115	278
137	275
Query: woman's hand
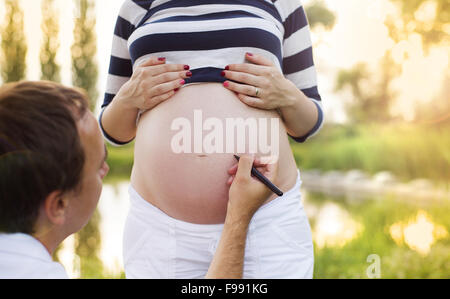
247	194
263	86
152	83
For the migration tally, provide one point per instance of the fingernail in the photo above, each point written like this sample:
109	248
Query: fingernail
162	58
222	74
226	84
182	82
177	89
227	68
250	54
189	74
187	67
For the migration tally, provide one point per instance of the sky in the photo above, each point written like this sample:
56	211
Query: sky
358	36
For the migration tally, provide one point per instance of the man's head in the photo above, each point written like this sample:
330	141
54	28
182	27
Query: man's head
52	159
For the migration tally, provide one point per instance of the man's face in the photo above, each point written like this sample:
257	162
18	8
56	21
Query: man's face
83	204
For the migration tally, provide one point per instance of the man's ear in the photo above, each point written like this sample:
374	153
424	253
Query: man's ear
55	207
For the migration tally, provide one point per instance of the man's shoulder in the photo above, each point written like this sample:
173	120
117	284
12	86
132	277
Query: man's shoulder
22	256
28	268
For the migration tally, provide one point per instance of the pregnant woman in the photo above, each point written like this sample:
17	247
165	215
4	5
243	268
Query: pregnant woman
222	60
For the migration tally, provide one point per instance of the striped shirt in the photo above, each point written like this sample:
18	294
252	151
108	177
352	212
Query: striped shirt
208	35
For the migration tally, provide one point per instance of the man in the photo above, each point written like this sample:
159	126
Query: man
52	163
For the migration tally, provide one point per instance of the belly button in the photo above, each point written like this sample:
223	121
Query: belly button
202	156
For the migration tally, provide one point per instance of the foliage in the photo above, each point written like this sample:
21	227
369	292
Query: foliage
84	49
50	27
408	264
85	75
427	18
319	14
372	93
397	260
120	160
372	96
14	48
88	242
407	151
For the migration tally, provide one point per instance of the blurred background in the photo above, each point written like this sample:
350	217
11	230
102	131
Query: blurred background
375	179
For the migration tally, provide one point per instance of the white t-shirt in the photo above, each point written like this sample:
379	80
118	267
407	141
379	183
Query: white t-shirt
22	256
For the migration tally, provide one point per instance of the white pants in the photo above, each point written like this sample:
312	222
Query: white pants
279	243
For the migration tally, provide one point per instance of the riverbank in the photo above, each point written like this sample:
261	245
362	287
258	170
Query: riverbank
408	152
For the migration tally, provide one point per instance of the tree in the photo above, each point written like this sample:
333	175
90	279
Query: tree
14	48
427	18
319	14
87	246
84	49
372	102
84	75
371	93
431	20
50	27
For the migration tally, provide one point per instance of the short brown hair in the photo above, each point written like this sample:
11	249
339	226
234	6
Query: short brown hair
40	148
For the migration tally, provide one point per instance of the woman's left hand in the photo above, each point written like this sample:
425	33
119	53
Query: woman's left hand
261	85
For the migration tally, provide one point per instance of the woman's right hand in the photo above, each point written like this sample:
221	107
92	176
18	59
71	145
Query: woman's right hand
152	82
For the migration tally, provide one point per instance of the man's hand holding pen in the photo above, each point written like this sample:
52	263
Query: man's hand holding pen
247	193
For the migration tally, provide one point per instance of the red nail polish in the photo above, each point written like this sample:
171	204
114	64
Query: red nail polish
182	82
250	54
227	68
189	74
226	84
222	74
187	67
162	58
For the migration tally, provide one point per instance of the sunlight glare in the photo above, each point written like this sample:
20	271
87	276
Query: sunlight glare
419	233
426	12
334	227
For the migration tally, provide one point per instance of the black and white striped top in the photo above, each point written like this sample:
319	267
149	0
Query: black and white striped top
210	34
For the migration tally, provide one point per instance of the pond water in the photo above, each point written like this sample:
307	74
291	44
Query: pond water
385	237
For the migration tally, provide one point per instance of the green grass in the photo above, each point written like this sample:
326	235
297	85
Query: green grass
407	151
397	260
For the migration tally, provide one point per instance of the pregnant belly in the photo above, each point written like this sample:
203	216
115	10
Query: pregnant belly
185	146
